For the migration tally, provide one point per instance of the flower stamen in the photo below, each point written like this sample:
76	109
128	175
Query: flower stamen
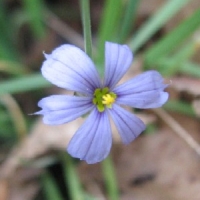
103	98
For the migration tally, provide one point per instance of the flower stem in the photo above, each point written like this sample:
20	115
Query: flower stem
85	15
71	178
110	179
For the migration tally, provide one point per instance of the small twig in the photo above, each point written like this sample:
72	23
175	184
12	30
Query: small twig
178	129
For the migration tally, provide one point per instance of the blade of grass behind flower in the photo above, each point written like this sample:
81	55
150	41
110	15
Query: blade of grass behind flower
86	24
108	26
191	69
168	10
7	51
12	68
180	107
34	11
110	179
128	19
177	36
71	178
51	190
171	65
23	84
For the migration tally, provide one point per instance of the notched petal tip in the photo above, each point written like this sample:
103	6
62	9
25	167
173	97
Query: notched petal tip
47	56
143	91
70	68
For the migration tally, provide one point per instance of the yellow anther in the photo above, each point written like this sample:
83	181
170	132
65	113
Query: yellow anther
103	98
107	99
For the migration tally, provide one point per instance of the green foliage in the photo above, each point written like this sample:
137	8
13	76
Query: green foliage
108	27
171	41
129	16
23	84
71	178
167	11
50	187
34	12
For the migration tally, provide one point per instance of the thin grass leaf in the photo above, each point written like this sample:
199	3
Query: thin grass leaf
34	11
110	179
171	65
191	69
169	9
128	19
108	25
180	107
23	84
12	68
51	190
85	15
7	51
71	178
16	115
173	39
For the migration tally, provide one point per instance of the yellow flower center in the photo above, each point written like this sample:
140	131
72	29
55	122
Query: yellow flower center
108	99
103	98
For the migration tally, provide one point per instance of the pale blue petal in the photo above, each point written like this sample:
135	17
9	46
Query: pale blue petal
60	109
128	125
92	142
144	100
118	59
70	68
144	91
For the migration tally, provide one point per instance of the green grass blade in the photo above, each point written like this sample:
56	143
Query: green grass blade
85	13
173	39
34	11
109	24
129	19
12	68
110	179
23	84
7	51
180	107
171	65
71	178
191	69
169	9
51	190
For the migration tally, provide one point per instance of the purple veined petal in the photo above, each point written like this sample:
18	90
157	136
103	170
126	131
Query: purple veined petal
92	142
147	81
118	59
60	109
129	126
144	91
144	100
70	68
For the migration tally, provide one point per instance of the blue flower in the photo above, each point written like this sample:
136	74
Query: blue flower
70	68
